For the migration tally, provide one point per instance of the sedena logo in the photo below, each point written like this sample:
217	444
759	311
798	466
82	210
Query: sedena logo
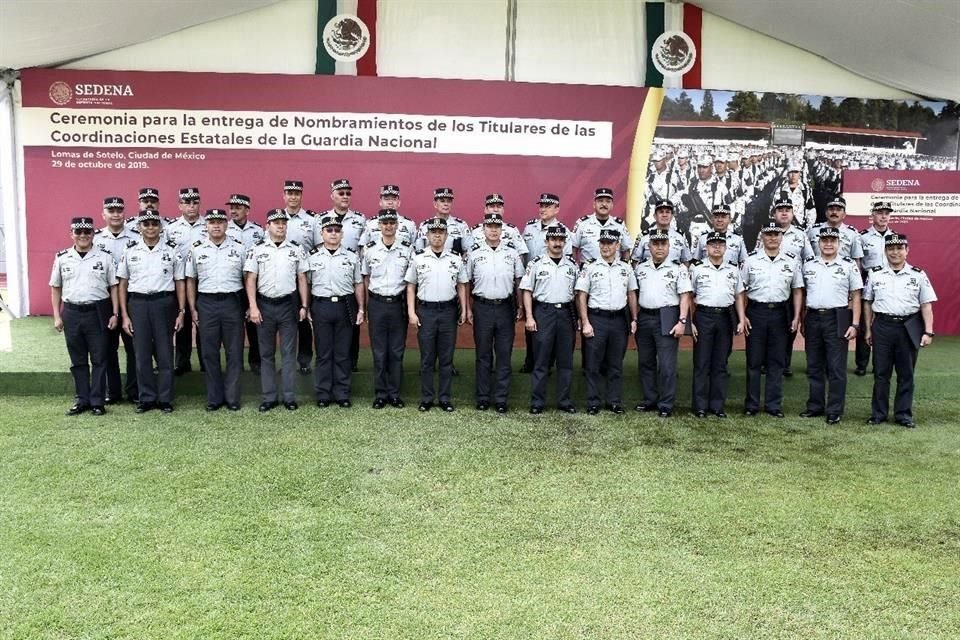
62	93
877	184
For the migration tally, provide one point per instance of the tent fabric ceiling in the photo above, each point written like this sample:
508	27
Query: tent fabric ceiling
906	44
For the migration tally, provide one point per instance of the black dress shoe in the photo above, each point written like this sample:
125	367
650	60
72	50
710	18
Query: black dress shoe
213	407
483	405
76	409
811	414
776	413
291	406
700	414
536	410
860	372
645	407
396	402
875	421
501	408
323	404
344	404
720	414
568	408
165	407
749	412
304	371
425	406
143	407
379	403
615	408
906	422
833	419
266	406
788	373
97	411
233	407
593	410
663	413
446	406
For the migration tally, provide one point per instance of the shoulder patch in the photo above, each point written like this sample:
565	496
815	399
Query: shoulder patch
98	232
198	243
846	259
533	221
62	253
876	268
171	243
476	245
809	259
371	243
295	243
696	262
752	252
260	243
350	250
236	241
404	243
510	244
789	255
733	262
419	251
170	220
676	262
917	269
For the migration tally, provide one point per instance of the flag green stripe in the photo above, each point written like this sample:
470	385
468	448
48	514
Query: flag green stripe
654	24
326	65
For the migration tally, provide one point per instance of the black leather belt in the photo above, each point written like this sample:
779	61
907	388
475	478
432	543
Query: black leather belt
334	299
87	306
648	312
768	305
150	296
702	309
388	299
891	318
491	301
220	296
607	314
553	305
279	300
437	305
823	311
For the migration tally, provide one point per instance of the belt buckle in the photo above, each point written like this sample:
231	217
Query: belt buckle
558	305
334	298
771	305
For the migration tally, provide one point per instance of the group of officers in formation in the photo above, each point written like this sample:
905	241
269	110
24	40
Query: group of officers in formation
307	281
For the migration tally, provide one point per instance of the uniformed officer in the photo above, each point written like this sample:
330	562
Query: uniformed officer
337	306
494	203
184	232
771	278
679	249
718	313
874	255
833	285
147	198
114	238
435	285
275	281
796	243
850	245
458	231
84	281
795	190
493	270
214	275
384	266
535	237
607	303
663	289
586	232
153	304
242	228
300	225
548	292
406	228
735	247
899	301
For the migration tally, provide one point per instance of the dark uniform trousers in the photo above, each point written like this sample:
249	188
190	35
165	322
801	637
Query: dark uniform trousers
279	316
354	346
711	352
304	336
553	341
220	322
437	339
826	362
657	361
85	330
766	347
183	342
494	328
332	330
605	351
388	341
253	351
114	381
892	349
153	317
790	339
862	358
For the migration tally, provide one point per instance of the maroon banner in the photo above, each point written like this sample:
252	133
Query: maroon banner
92	134
927	209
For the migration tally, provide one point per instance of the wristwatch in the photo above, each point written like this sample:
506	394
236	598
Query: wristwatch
929	334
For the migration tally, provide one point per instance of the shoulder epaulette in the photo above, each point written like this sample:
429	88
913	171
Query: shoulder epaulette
810	258
314	250
310	212
584	218
675	261
789	255
476	245
131	243
350	250
256	224
917	269
419	251
846	259
752	252
132	219
235	240
456	219
510	244
264	241
198	243
62	253
696	262
876	268
865	232
295	243
171	243
616	219
170	220
590	261
477	227
733	262
98	232
404	243
533	221
371	243
705	232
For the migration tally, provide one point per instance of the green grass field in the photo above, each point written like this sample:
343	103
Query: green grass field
394	524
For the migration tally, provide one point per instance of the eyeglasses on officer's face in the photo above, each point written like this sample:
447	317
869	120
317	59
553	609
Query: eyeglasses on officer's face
83	232
150	223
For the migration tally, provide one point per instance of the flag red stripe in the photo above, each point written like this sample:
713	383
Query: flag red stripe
367	11
692	26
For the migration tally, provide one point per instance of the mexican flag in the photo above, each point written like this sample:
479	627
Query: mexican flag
347	37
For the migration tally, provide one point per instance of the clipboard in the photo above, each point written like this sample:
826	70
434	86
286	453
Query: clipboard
669	317
915	328
844	320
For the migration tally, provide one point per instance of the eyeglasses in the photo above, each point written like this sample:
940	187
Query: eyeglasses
333	230
150	223
83	232
343	193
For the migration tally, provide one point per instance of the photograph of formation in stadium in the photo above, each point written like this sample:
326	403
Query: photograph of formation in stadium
746	149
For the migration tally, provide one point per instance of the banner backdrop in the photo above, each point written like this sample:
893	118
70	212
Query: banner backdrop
92	134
